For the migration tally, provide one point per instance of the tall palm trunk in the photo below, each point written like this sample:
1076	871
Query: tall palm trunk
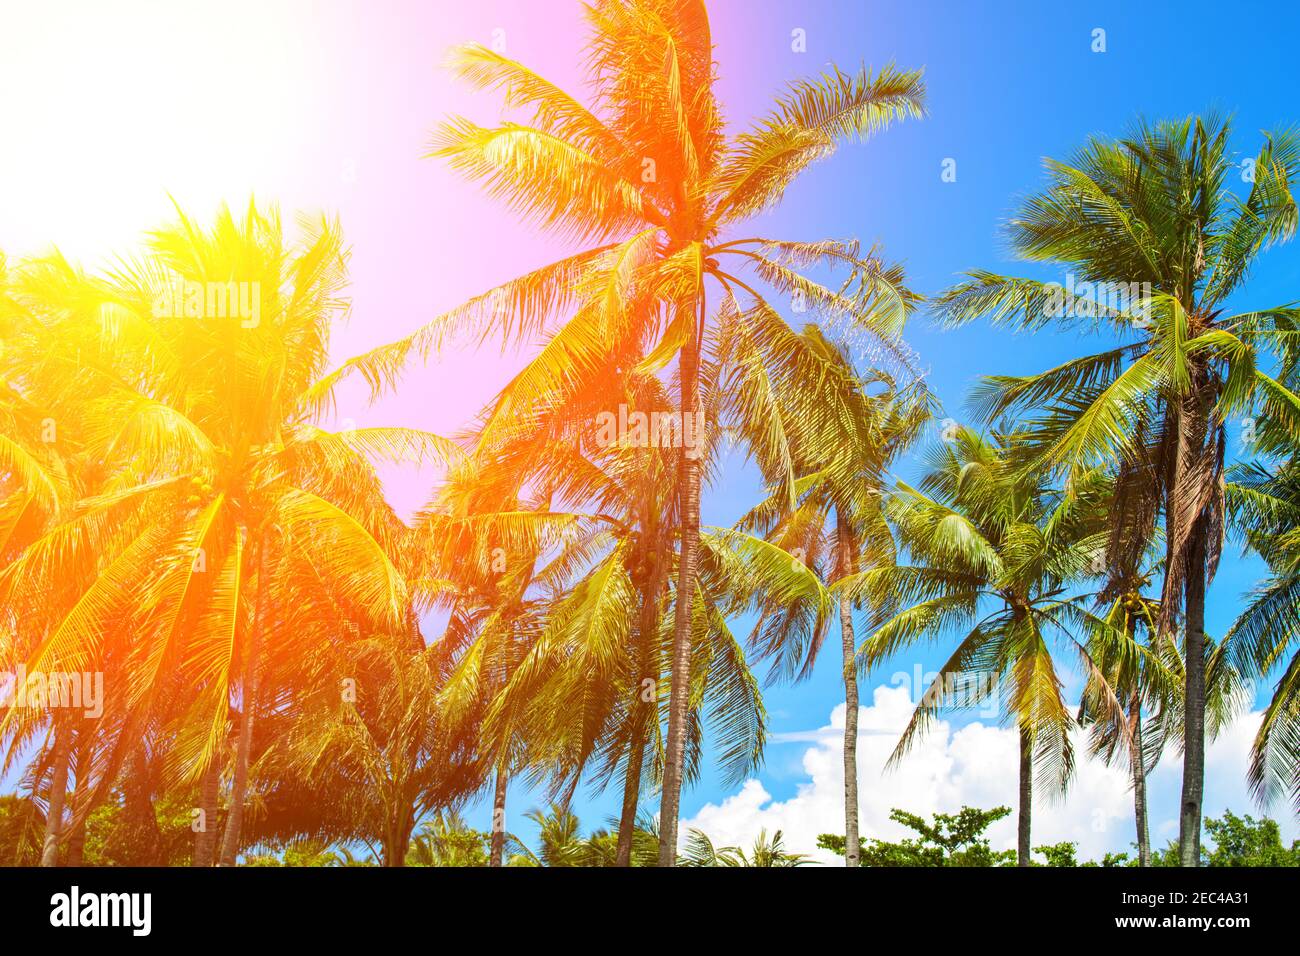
643	712
81	795
77	845
849	647
244	743
205	840
1025	819
398	839
1189	829
58	794
1139	782
631	793
499	820
689	489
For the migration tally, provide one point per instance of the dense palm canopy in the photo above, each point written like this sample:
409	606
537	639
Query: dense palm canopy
645	182
313	676
184	526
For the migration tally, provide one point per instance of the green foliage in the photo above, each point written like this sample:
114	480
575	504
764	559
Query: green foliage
299	853
950	840
766	852
131	832
1058	854
957	840
561	843
447	840
21	826
1245	841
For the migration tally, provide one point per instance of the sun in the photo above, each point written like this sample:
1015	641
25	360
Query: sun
111	108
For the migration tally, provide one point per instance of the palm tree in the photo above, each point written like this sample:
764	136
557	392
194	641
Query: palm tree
486	573
648	176
994	551
1156	244
608	574
561	843
375	741
766	852
587	695
230	533
1265	504
1134	671
445	839
836	523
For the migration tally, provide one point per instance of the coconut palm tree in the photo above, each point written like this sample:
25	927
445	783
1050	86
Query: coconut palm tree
647	181
767	852
445	839
608	572
1264	500
589	692
851	429
561	843
374	740
994	551
1136	673
1155	243
486	573
230	531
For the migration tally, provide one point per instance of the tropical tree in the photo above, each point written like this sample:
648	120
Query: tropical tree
445	839
1156	244
948	839
766	852
646	179
1136	674
994	551
485	571
230	534
587	695
377	742
1265	503
855	427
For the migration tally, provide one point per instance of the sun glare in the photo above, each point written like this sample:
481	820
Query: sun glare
117	105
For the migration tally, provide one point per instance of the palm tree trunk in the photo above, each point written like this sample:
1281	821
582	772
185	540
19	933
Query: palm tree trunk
689	490
642	712
1139	783
77	845
1189	829
398	840
849	647
1025	819
244	743
205	841
58	793
81	795
499	821
631	793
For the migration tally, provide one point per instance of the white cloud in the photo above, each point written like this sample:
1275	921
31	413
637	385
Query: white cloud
973	765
